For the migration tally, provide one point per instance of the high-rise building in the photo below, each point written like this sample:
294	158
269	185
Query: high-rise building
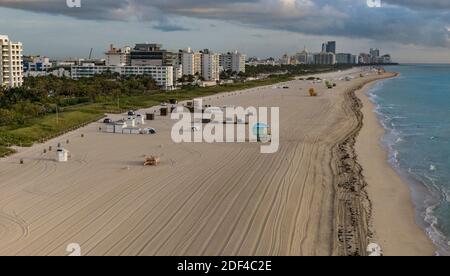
146	54
343	58
329	47
210	66
364	58
375	53
325	58
225	62
304	57
285	59
234	61
118	57
192	62
152	55
11	68
386	58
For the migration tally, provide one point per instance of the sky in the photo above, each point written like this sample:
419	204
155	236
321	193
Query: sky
410	30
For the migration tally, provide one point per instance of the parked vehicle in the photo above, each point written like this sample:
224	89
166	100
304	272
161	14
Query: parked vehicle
149	131
107	121
131	113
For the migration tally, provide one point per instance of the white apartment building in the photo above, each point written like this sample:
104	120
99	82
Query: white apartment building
210	66
118	57
163	75
324	58
238	62
11	68
192	62
234	61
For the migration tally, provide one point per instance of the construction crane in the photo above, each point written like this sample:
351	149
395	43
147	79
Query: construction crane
90	53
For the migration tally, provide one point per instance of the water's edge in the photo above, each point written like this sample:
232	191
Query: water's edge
424	199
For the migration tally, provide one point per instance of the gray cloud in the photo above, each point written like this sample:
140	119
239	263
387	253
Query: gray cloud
168	26
419	22
421	4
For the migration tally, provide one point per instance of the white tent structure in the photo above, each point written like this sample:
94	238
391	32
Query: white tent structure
116	127
131	121
140	119
131	130
62	155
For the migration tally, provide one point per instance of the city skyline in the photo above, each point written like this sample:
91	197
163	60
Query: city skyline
61	32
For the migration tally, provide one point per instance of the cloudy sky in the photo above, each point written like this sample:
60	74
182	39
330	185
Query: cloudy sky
411	30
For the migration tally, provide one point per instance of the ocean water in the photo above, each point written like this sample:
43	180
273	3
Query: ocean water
415	110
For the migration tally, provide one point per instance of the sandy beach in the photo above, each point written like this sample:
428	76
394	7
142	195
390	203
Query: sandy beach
309	198
394	218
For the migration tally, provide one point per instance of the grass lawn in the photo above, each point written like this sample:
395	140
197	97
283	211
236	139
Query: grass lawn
4	151
49	126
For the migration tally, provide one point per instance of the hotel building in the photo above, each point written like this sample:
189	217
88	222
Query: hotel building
163	75
118	57
11	68
325	58
343	58
145	54
234	61
329	47
210	66
192	62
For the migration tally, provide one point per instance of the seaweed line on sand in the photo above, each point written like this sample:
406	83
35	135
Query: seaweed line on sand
353	207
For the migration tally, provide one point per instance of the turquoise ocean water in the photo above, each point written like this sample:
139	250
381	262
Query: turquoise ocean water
415	110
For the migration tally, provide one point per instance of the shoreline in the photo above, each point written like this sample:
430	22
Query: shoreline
393	219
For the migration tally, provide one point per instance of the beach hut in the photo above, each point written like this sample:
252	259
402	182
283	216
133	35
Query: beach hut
110	128
262	132
131	130
62	155
115	127
131	121
140	119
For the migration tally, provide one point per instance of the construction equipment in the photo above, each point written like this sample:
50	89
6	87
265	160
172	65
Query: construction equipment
152	161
